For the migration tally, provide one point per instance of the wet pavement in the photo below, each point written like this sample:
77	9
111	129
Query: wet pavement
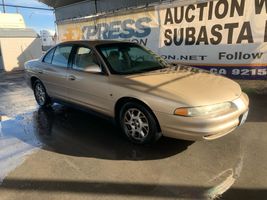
63	153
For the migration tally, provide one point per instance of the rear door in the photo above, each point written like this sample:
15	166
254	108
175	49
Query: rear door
54	71
90	89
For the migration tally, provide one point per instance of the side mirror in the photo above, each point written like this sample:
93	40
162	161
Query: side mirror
93	69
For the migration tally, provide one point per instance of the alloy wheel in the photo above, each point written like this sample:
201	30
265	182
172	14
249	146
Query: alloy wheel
136	124
40	94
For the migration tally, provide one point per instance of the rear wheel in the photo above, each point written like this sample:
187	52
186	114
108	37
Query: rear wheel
138	124
40	94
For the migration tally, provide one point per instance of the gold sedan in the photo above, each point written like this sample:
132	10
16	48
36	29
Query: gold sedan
146	96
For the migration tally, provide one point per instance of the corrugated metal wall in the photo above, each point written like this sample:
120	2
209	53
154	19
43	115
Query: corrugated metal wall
91	7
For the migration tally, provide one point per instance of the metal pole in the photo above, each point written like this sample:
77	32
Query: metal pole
27	7
96	7
4	9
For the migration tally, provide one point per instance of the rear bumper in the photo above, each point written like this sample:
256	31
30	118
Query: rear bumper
28	80
203	128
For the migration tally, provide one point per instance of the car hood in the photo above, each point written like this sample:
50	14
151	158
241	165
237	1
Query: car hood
187	87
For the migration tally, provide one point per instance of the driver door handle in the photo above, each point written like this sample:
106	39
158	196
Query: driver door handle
72	78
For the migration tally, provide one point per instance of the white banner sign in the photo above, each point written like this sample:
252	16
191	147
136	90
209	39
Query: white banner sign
228	37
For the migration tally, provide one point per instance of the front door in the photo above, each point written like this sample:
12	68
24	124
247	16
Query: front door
86	87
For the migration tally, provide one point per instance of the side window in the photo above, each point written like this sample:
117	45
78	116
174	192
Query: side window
49	56
61	56
84	58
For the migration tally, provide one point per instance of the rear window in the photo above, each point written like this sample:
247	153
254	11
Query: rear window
61	56
49	56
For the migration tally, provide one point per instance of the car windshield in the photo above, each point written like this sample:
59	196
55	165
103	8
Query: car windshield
128	58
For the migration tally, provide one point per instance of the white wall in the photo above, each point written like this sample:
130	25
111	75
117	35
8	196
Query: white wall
17	51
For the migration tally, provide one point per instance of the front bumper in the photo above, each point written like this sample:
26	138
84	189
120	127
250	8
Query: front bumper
207	127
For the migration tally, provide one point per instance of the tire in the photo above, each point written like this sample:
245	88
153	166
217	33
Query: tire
40	95
138	124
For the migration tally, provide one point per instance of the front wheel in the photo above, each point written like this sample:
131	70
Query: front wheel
40	94
138	124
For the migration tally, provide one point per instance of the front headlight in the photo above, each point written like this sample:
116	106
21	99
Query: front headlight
203	110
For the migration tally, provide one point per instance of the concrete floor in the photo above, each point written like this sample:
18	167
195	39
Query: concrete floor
69	154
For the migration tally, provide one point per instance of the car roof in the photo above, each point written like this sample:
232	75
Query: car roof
94	43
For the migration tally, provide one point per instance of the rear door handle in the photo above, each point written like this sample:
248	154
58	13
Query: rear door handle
72	78
40	72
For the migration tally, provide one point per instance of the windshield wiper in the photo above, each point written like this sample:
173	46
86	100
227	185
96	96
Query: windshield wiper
144	70
152	69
